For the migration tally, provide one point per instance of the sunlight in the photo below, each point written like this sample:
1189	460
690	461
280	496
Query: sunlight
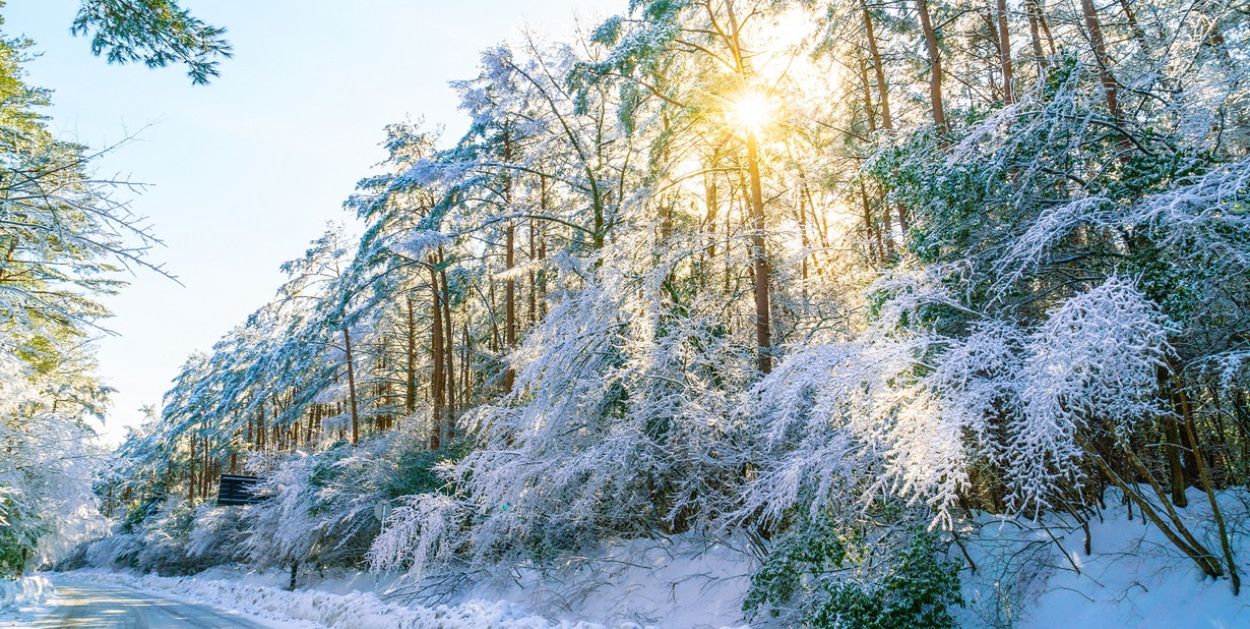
751	111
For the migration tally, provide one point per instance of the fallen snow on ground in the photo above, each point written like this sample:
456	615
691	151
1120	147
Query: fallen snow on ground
684	582
688	582
23	598
1031	576
314	608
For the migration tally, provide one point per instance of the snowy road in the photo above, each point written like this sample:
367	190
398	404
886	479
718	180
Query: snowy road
82	606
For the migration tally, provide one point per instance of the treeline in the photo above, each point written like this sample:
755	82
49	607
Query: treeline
66	236
776	266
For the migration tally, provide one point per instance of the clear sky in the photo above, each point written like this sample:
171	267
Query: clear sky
247	170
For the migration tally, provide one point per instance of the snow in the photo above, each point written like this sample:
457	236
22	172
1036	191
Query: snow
23	598
632	584
314	608
1027	578
687	581
1133	576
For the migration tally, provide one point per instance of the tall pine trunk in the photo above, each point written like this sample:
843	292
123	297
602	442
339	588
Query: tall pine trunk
1109	85
935	65
759	260
1004	53
438	382
351	385
410	376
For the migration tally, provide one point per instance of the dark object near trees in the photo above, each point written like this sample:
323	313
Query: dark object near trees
237	490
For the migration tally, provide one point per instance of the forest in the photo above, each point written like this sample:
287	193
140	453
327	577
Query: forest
853	284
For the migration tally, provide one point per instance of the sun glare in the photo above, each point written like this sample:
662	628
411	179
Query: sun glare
751	111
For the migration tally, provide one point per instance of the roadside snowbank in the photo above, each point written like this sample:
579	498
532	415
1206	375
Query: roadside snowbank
684	582
24	599
354	610
24	592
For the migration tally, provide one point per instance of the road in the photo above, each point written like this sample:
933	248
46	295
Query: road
89	606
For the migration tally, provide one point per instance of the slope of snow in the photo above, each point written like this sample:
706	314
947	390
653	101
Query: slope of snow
1133	577
685	582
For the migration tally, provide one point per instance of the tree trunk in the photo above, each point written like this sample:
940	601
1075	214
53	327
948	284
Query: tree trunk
449	353
1176	473
711	202
509	293
542	271
351	385
191	472
532	314
466	376
410	394
1045	26
1035	40
1134	27
935	64
870	118
438	381
1191	430
883	92
759	259
1004	53
509	281
876	245
1109	86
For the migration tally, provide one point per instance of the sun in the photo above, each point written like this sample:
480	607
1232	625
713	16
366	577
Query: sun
751	111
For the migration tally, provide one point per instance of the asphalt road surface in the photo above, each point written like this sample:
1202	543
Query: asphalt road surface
87	606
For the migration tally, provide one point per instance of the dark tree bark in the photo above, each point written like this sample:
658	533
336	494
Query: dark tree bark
351	386
935	64
1109	85
410	376
1035	40
438	381
759	260
1004	53
883	92
449	352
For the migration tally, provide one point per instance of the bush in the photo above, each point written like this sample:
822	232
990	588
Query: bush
810	579
417	473
915	593
806	551
217	535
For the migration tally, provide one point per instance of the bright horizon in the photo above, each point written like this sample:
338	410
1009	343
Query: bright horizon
280	138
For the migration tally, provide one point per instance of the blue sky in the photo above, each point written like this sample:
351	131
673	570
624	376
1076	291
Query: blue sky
244	172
